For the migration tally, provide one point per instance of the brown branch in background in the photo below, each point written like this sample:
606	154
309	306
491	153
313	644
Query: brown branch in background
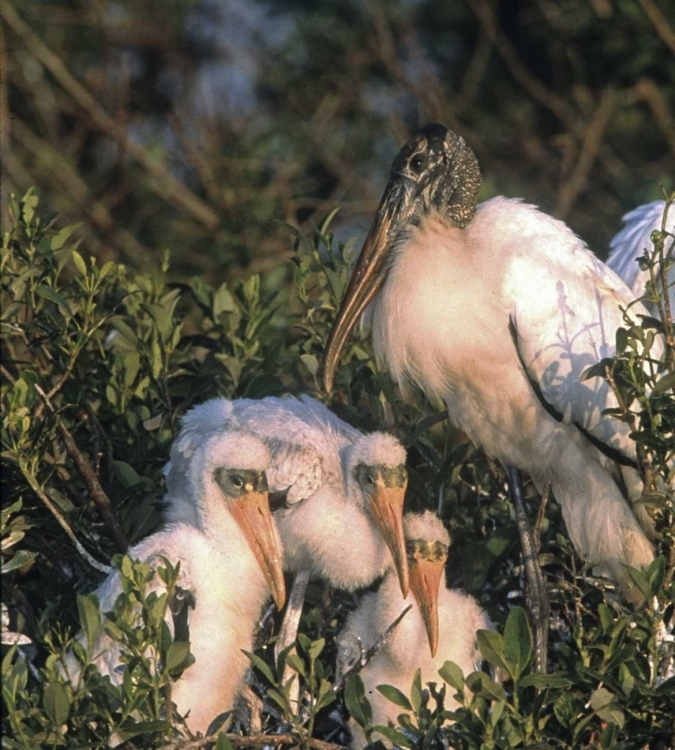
648	91
97	493
254	740
56	166
164	184
590	149
519	71
659	22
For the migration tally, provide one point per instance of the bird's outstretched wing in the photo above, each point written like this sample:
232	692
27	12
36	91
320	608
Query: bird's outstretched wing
630	243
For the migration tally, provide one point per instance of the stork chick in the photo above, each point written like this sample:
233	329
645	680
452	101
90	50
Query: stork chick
230	559
441	625
343	490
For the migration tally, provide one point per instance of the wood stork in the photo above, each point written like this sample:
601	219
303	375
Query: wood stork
496	311
630	243
343	490
440	627
230	559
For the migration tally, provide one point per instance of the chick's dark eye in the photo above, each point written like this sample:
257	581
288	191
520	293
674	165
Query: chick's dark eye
370	479
237	481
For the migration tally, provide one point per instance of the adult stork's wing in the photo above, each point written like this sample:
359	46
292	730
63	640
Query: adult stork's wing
564	319
630	243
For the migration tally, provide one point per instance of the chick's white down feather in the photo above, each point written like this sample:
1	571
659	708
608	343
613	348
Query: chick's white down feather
218	569
460	616
326	527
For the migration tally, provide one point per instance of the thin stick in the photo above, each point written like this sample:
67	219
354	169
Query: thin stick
164	184
368	654
255	739
98	495
63	523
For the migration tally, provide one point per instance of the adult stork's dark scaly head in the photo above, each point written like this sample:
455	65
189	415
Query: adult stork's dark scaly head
435	170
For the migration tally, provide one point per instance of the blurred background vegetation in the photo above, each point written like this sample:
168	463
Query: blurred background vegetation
195	124
195	149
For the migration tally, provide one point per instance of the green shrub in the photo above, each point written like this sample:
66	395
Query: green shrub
99	363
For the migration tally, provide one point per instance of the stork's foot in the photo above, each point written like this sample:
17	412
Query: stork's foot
536	597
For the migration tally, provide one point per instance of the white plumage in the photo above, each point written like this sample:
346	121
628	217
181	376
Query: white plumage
630	243
230	557
496	312
344	490
458	616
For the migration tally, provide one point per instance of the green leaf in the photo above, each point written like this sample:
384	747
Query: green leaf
491	645
604	703
395	737
56	703
262	666
223	742
416	691
177	656
394	695
60	238
88	610
223	302
356	701
126	474
310	362
21	558
452	674
78	260
518	648
666	383
57	299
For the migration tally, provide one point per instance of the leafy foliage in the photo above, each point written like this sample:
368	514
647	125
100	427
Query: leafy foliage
99	363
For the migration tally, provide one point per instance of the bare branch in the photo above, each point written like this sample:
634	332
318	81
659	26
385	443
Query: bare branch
660	23
97	493
164	184
367	654
274	740
590	149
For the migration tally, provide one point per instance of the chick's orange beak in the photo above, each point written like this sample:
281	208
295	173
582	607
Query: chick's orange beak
252	512
387	510
425	579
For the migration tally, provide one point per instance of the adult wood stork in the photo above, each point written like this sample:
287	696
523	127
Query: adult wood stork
441	625
496	311
344	490
230	559
630	243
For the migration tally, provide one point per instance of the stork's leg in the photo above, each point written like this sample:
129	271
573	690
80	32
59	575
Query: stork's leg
289	627
537	596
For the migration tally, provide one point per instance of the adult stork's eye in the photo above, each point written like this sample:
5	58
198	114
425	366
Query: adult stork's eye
417	163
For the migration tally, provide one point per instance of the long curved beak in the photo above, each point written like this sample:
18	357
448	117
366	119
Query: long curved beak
425	578
396	208
386	508
252	512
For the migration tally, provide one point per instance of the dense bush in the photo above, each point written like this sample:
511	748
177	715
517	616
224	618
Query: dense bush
99	363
